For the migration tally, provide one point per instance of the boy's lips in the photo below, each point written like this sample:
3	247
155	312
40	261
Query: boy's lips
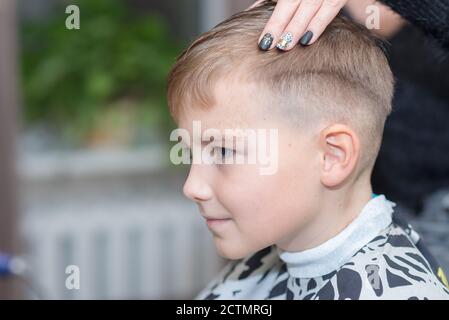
208	218
213	221
216	222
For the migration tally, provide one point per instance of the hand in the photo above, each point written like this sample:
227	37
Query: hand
296	21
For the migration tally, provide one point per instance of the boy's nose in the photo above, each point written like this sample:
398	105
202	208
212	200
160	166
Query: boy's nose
196	188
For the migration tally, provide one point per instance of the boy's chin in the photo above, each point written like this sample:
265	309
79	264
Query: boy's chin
233	252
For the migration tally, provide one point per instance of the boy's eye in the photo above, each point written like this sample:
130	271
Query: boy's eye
224	152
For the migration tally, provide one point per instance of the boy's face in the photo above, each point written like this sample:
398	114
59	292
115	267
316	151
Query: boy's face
253	210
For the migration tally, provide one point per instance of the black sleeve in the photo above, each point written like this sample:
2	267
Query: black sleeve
431	16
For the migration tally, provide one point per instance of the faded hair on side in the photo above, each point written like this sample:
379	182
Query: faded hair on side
343	77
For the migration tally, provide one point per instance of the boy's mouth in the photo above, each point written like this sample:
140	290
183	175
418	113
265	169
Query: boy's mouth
209	217
213	221
216	222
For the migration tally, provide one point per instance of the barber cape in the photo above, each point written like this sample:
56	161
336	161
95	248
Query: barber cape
376	256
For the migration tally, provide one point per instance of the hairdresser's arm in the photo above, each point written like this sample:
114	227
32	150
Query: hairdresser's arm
306	20
432	16
389	21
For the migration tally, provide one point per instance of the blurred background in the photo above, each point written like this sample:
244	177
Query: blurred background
85	126
86	178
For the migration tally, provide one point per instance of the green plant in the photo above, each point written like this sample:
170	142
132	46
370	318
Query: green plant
72	77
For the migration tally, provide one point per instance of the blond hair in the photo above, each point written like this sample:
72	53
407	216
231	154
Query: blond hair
343	77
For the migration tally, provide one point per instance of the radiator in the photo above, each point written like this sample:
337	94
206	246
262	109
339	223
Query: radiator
120	255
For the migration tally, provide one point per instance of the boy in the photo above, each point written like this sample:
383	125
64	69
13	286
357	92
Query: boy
312	229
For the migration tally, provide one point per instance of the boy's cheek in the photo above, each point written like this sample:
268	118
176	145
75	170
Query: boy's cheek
253	229
236	244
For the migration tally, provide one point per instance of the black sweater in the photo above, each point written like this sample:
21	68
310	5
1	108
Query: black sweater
414	160
431	16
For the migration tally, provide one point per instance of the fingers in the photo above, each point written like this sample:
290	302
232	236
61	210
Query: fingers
301	22
328	11
282	14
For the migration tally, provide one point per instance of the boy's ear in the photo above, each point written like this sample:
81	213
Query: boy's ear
340	148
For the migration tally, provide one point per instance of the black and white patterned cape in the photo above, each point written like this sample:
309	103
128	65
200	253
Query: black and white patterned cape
377	256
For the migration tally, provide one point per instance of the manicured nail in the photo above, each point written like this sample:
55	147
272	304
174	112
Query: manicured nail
266	42
286	39
305	40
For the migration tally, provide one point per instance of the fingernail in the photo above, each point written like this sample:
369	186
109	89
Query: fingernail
266	42
286	39
305	40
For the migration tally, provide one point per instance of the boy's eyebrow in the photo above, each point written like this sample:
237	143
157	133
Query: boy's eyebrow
226	138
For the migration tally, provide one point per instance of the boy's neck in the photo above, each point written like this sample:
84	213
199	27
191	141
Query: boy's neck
339	209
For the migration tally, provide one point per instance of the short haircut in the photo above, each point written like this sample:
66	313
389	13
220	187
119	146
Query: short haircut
344	77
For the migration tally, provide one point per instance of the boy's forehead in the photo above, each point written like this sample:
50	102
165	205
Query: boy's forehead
213	118
236	105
